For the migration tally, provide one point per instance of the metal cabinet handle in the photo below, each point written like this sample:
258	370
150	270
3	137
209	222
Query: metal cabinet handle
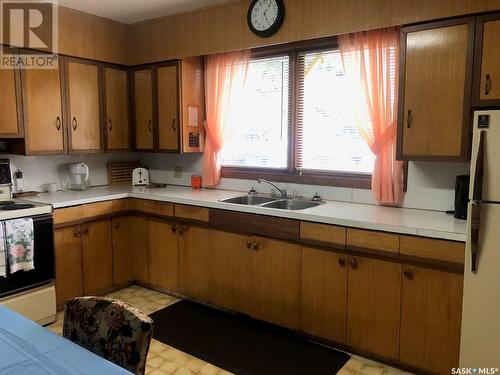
117	225
58	123
249	244
174	228
110	126
341	261
75	123
77	234
85	231
354	263
409	119
173	125
487	86
180	229
149	126
255	246
408	274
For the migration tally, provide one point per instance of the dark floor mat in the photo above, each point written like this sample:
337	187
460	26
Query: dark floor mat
240	344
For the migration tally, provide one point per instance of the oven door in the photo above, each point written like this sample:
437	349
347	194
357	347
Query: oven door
43	260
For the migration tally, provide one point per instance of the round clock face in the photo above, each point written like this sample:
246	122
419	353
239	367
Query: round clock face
265	17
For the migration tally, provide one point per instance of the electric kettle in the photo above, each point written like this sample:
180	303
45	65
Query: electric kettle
79	176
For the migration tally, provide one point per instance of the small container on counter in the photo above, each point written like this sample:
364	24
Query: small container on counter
196	181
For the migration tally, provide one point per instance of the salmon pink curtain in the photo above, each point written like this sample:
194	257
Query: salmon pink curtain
371	60
225	76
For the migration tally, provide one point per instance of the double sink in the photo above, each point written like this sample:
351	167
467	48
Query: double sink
268	202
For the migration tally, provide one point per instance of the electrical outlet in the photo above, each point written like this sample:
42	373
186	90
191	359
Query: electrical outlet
178	172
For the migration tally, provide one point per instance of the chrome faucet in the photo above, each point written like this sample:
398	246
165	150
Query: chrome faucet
282	191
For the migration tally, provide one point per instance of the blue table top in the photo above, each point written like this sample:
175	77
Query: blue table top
28	348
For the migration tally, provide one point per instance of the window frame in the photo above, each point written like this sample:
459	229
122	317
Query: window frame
291	174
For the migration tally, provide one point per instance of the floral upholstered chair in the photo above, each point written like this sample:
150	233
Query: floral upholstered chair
111	329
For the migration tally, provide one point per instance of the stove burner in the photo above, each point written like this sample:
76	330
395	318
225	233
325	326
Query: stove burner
3	203
16	206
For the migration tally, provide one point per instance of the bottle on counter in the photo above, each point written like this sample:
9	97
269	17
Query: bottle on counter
19	181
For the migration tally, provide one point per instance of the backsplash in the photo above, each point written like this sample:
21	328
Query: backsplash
430	184
38	170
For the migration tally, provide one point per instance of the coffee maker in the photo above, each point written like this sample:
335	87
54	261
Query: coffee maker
79	176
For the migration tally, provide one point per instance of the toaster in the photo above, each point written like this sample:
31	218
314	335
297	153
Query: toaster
140	177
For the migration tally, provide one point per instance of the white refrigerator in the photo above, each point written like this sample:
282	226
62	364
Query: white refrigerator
480	342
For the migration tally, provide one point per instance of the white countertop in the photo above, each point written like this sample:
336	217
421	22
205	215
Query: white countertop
399	220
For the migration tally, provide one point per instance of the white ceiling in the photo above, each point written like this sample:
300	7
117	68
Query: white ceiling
131	11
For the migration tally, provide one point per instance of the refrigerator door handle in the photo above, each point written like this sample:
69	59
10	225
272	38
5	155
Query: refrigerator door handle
477	189
477	200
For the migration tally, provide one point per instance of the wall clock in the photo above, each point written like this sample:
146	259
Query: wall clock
265	17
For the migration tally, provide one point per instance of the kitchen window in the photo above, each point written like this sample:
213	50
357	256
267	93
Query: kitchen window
296	123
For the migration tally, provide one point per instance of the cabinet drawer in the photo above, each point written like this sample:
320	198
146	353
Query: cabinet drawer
372	241
67	215
158	208
191	212
429	248
329	234
127	204
97	209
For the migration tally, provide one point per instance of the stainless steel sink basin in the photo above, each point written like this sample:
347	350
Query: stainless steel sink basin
248	200
289	204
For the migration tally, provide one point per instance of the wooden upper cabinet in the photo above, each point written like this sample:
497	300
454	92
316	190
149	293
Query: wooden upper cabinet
143	109
10	105
487	57
373	305
116	118
435	90
192	105
168	108
431	316
43	114
83	107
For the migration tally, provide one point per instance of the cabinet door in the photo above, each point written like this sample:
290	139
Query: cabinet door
123	248
324	293
84	109
434	115
97	257
163	255
10	119
231	271
431	312
143	109
68	261
276	282
194	261
117	115
140	249
168	108
373	305
44	128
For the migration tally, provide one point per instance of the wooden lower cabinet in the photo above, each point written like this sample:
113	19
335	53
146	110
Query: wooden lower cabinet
324	293
68	262
431	314
140	244
231	271
276	282
194	261
123	249
163	255
373	305
97	258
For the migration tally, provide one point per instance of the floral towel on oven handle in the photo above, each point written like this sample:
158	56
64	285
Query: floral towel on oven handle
3	252
19	244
